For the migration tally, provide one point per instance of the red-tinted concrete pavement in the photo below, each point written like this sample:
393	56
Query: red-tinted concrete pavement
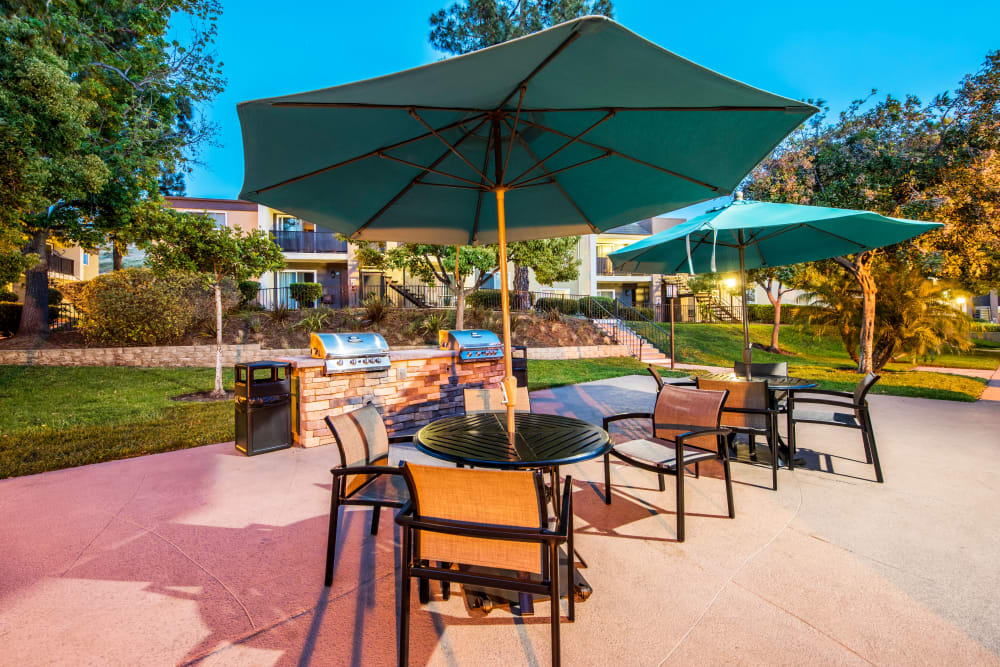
210	557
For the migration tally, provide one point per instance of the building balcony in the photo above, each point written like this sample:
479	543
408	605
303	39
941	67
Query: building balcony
604	268
61	265
308	242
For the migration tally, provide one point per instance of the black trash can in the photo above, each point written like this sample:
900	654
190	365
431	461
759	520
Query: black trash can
519	364
263	406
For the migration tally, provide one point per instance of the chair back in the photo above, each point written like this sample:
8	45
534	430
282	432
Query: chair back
656	376
490	399
362	439
861	391
482	499
682	409
745	395
778	369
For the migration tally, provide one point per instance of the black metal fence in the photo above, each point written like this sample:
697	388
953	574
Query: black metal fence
63	317
299	241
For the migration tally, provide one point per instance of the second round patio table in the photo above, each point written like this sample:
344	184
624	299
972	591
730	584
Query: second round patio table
540	442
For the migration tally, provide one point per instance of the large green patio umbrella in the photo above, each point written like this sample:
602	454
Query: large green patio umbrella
572	130
750	234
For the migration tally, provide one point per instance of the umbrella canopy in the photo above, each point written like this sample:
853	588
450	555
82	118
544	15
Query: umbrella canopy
608	128
749	234
572	130
769	234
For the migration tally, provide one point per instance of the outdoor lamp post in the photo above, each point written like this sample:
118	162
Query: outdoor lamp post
670	291
354	291
730	285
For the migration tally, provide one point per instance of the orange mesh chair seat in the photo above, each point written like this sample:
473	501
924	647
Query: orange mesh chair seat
683	421
478	401
854	413
774	369
476	519
364	476
748	409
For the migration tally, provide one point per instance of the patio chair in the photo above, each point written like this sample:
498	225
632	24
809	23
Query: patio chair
656	376
490	399
776	369
858	415
749	410
484	528
364	476
680	416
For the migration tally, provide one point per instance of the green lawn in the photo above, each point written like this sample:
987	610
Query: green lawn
53	418
823	359
543	374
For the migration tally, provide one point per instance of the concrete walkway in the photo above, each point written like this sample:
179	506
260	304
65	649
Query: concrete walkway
204	556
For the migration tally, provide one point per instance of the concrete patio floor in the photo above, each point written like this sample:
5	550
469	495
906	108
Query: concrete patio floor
205	556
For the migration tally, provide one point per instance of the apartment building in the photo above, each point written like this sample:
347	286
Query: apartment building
66	263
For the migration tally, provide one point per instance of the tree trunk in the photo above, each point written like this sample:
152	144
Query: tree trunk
116	256
218	392
521	284
776	327
459	308
35	312
868	292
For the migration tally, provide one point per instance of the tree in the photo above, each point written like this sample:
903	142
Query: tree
776	283
552	260
123	107
901	158
436	263
193	243
476	24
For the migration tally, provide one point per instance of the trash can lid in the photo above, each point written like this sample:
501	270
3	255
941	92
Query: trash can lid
264	364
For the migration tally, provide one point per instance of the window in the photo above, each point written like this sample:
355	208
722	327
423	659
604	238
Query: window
553	292
86	259
218	218
609	293
286	223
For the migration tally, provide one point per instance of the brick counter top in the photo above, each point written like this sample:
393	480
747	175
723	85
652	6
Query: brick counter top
394	355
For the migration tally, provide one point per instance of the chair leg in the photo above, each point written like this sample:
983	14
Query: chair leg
331	536
423	590
680	505
376	514
869	434
752	446
403	642
571	567
663	482
554	597
697	470
445	585
790	463
607	479
729	488
772	445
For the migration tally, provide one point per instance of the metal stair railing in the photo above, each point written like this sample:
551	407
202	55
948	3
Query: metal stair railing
619	330
408	295
644	327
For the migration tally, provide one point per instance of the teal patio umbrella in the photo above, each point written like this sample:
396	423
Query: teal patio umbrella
750	234
573	130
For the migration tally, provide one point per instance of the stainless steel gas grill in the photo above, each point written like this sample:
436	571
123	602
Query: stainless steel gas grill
350	352
472	344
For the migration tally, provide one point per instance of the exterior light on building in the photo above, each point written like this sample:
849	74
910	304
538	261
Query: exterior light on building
960	301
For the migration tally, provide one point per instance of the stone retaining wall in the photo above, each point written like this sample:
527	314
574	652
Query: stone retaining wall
204	355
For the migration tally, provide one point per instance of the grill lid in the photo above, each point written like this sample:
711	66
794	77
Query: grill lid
343	345
465	339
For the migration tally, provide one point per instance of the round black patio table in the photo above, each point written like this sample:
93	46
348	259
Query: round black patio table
540	441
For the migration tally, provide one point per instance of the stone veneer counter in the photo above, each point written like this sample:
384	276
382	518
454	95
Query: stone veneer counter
421	386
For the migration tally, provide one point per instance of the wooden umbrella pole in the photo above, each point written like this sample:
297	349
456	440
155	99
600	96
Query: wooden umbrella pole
747	350
509	383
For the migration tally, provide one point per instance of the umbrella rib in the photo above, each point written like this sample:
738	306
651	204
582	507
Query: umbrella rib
572	141
565	194
409	185
426	169
671	172
479	199
364	156
454	150
513	131
548	174
836	236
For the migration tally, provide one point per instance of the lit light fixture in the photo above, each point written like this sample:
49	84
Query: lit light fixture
730	283
960	300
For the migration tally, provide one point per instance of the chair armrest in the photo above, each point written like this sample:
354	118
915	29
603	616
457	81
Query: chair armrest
627	415
468	529
365	470
396	439
722	430
751	411
824	392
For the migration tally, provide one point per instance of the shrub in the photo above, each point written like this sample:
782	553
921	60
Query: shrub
7	297
248	292
10	318
55	296
306	294
137	307
375	310
984	327
591	305
487	299
557	304
764	313
315	319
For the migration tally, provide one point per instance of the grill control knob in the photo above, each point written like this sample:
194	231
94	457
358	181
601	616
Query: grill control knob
340	362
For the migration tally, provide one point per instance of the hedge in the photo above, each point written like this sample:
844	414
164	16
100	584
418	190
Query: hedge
10	316
248	292
7	297
564	306
764	313
591	305
306	293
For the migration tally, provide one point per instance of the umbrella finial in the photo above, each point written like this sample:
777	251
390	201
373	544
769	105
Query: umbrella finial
739	195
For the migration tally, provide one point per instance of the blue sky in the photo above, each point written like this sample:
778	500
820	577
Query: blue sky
834	51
